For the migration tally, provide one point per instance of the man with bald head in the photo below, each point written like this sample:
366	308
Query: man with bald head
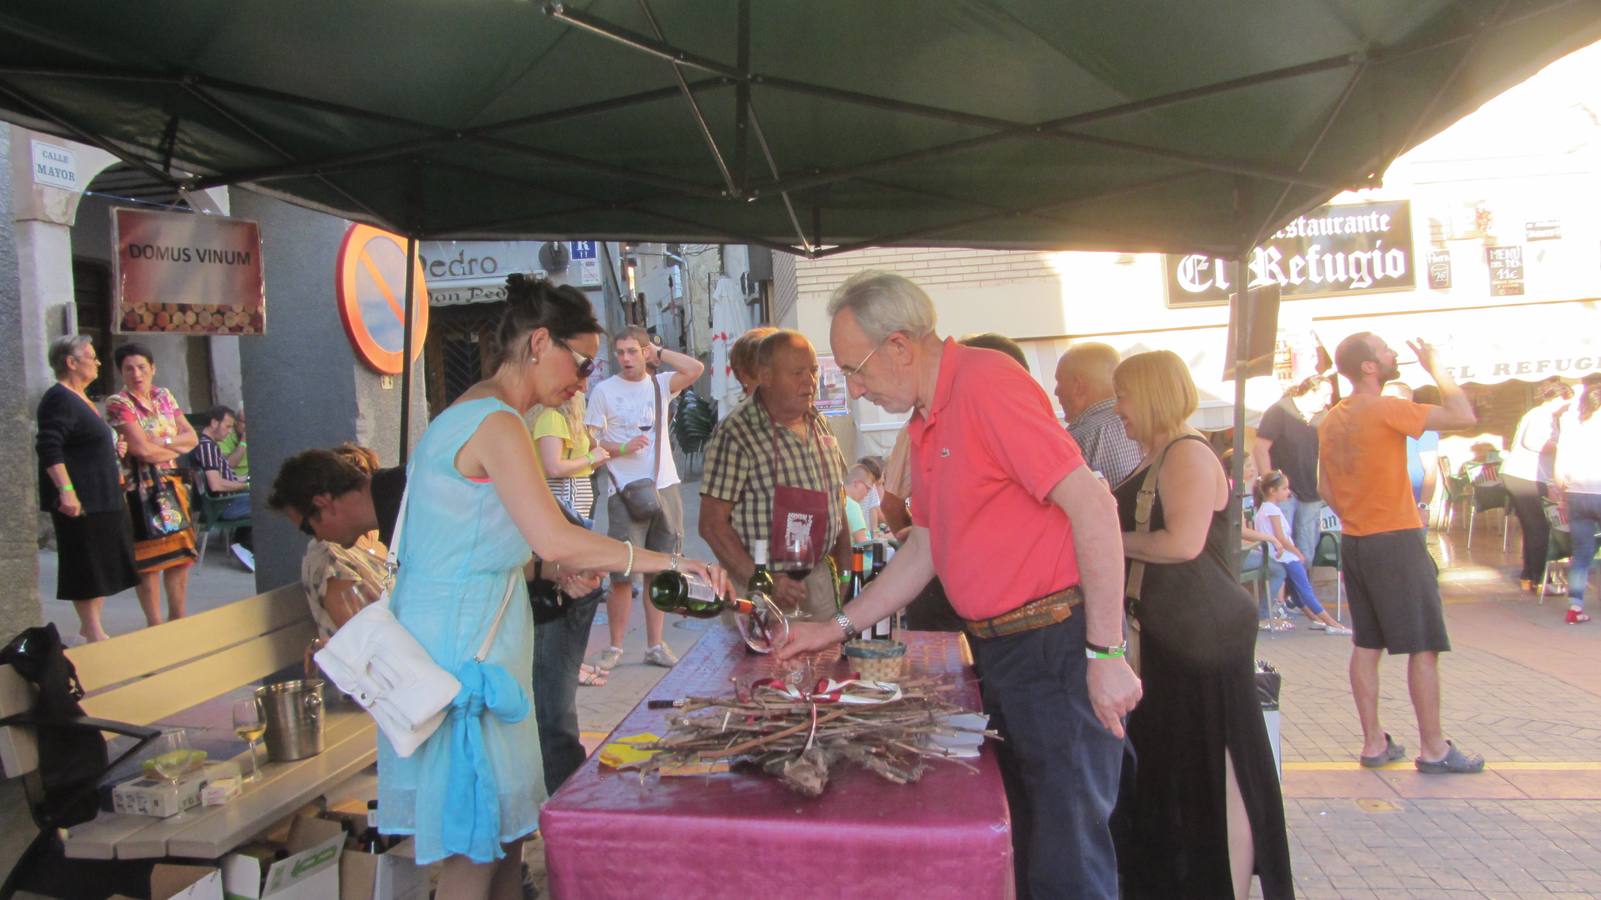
1084	387
774	469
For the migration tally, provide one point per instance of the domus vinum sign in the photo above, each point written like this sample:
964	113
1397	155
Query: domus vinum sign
1351	249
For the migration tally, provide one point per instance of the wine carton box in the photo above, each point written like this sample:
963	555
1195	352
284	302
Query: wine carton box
393	875
174	882
162	798
310	872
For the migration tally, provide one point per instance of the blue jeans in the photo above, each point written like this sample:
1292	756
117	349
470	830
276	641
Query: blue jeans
558	649
1059	765
1584	517
1301	593
1303	525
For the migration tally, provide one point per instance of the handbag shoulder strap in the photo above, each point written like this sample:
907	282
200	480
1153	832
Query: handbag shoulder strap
392	563
1143	503
661	425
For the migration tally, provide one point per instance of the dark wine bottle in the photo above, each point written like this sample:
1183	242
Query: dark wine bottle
370	840
761	580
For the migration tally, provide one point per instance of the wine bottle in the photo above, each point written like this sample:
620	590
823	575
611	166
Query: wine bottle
761	623
370	840
857	570
761	580
880	558
684	594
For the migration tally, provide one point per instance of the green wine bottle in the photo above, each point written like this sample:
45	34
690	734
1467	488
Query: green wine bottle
685	595
761	580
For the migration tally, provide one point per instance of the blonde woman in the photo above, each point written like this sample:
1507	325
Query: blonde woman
1203	811
568	454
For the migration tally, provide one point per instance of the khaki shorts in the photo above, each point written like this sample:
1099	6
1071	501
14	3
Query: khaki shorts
664	534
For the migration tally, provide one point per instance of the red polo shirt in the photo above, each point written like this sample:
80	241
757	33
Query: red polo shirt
985	455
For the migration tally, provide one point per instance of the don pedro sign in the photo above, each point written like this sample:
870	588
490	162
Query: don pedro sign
1352	249
183	273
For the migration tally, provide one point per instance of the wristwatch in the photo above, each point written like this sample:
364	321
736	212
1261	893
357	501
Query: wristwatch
1096	651
845	625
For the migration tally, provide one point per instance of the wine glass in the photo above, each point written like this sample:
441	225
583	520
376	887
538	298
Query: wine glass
171	762
765	626
795	559
249	724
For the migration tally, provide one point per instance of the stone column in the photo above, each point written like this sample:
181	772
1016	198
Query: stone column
303	385
19	546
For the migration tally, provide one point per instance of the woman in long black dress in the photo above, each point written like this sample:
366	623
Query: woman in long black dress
80	487
1202	811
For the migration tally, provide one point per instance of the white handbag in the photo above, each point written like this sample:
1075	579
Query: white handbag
375	660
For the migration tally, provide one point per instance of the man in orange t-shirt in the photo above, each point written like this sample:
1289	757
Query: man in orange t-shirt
1391	580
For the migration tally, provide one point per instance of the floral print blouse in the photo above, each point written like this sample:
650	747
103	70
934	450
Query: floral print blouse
159	419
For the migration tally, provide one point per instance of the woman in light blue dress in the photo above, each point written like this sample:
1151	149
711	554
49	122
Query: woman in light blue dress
477	505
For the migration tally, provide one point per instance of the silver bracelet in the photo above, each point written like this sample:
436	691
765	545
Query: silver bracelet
629	571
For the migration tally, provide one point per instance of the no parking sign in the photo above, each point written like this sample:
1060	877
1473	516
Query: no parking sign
370	282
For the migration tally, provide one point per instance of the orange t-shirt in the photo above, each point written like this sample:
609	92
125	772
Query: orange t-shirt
1362	452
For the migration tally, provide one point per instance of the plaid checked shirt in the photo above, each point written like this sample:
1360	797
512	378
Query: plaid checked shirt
739	469
1106	447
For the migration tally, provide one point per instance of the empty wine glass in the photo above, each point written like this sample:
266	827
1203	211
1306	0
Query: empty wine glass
765	627
250	724
170	762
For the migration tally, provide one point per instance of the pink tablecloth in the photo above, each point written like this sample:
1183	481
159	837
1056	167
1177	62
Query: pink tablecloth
745	835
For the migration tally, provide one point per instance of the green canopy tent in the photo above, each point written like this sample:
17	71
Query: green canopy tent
814	128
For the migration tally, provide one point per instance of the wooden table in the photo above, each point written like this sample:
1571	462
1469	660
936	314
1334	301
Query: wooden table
746	835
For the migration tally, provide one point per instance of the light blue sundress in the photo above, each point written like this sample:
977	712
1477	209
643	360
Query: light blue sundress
477	781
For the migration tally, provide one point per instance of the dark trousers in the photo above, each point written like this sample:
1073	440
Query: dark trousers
558	649
1061	768
1536	530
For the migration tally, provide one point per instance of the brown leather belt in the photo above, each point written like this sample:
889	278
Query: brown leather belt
1047	610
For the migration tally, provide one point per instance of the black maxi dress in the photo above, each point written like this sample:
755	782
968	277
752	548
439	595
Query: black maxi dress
1197	643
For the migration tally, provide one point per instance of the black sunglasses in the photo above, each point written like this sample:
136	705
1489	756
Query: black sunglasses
305	525
586	364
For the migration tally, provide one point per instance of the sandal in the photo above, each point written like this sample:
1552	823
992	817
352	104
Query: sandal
1392	752
1455	762
589	676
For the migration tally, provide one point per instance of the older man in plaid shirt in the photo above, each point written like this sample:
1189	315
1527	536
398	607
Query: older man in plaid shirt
777	440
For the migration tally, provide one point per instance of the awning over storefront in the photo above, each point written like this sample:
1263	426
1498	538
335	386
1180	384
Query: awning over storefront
1489	345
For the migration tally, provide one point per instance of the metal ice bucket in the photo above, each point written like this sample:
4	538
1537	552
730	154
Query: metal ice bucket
293	713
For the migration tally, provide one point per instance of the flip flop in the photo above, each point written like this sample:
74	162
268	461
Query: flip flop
591	677
1455	762
1392	752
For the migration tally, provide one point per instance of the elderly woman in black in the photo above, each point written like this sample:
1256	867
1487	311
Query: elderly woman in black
80	486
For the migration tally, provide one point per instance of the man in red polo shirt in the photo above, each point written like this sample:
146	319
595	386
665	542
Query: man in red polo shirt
1027	544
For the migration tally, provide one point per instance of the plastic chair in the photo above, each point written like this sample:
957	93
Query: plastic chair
1489	497
208	517
1327	553
1458	490
1257	575
1559	547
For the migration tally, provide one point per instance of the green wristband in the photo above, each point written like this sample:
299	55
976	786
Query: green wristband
1096	651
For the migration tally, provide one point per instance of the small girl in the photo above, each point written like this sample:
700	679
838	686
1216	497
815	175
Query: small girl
1269	491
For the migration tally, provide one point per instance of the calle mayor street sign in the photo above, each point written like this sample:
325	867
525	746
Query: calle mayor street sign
1357	248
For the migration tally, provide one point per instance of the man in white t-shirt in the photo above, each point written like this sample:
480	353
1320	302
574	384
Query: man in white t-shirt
628	415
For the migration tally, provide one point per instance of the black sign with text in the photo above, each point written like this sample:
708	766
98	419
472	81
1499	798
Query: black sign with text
1351	249
1506	270
1439	270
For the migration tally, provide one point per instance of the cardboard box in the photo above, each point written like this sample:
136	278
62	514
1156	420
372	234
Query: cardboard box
162	798
394	875
173	882
310	872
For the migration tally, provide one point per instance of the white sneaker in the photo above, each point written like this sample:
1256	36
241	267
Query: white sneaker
1317	625
1338	630
661	655
245	557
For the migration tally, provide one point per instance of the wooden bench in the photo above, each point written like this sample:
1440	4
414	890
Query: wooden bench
148	676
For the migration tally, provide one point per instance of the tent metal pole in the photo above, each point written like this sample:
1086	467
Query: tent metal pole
1242	344
406	352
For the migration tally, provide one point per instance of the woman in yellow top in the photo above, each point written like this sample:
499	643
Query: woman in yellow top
569	457
568	454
